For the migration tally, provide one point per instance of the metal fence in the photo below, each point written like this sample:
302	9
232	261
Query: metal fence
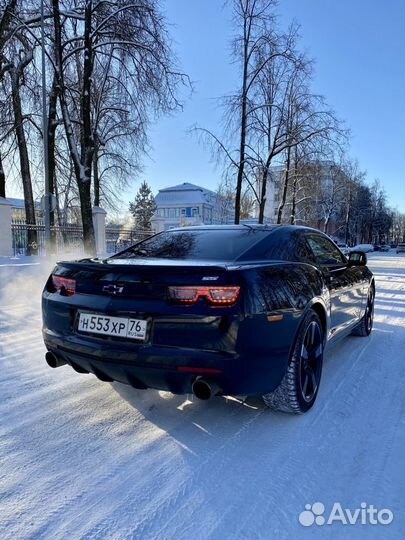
119	238
30	239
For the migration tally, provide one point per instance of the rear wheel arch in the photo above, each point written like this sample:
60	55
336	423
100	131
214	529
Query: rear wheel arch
321	312
319	309
289	395
365	325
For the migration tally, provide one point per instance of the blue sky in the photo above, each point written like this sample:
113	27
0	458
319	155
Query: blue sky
359	48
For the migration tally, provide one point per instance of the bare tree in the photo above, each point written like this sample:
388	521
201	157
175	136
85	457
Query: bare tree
2	180
271	120
16	56
353	178
274	111
253	20
225	201
306	117
397	230
7	11
106	50
332	189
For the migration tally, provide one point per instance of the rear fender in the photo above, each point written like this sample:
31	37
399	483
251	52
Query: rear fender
278	297
284	287
321	306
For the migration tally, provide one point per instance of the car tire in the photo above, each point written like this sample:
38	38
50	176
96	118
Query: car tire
299	387
365	325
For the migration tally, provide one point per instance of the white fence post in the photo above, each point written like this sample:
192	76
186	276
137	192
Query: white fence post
99	230
6	238
158	224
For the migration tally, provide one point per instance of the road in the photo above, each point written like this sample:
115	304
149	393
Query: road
82	459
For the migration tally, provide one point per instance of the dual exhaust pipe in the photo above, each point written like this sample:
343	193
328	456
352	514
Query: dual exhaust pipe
202	389
54	361
205	389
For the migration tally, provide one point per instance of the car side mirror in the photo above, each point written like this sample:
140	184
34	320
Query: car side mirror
357	258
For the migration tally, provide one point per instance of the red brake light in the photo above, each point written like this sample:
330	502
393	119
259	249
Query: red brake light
218	296
224	295
69	285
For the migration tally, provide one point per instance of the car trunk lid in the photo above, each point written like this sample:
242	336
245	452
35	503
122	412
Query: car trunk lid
142	279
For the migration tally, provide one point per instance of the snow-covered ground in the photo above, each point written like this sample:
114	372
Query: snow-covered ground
82	459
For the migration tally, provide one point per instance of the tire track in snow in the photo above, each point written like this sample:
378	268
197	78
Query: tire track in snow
158	504
348	405
289	461
114	466
333	432
173	506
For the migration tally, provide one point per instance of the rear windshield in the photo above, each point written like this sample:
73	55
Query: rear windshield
213	244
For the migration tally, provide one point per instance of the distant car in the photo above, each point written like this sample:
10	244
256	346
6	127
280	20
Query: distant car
401	248
385	247
228	310
365	248
377	247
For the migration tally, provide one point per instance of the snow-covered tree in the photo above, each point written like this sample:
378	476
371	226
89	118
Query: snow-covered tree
115	69
17	85
143	207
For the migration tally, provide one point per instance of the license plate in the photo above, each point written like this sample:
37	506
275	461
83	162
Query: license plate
112	326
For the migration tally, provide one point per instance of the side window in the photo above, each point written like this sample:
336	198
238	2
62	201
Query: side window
325	251
302	251
273	248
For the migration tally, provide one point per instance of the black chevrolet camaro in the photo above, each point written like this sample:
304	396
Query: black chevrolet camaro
212	310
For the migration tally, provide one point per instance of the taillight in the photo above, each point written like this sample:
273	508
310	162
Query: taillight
218	296
65	285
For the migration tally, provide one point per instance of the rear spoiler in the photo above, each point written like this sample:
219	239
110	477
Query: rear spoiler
128	264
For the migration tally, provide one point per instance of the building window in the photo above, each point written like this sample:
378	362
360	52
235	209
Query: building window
171	213
183	211
195	212
177	212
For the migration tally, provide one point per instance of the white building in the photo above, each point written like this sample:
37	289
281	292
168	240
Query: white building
18	209
187	204
273	193
321	178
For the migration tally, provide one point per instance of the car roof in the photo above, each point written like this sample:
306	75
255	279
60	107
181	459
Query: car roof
243	226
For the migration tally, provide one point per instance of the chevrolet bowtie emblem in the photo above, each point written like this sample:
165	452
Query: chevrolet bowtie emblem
113	289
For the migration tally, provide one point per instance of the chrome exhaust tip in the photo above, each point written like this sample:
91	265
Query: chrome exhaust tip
203	389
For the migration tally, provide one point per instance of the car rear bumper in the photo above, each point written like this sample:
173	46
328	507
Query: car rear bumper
166	368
